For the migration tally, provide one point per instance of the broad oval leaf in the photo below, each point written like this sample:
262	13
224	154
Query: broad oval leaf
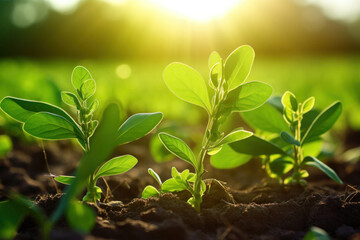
171	185
80	217
234	136
87	89
227	158
116	165
70	99
308	105
214	58
312	148
238	66
137	126
150	191
289	101
248	96
178	147
187	84
50	126
155	176
311	161
323	122
266	118
256	146
287	137
79	75
67	180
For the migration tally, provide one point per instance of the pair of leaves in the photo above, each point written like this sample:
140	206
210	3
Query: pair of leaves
187	84
114	166
83	82
42	120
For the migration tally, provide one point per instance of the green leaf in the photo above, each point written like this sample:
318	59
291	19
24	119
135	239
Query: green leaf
87	89
227	158
158	151
94	105
312	148
155	176
11	216
79	75
175	174
80	217
171	185
65	179
187	84
50	126
93	127
308	105
116	165
256	146
215	75
214	58
70	99
248	96
137	126
266	118
238	66
5	145
311	161
234	136
280	165
178	147
289	101
150	191
323	122
287	137
316	233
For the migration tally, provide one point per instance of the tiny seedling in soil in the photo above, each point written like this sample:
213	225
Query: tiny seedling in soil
229	94
45	121
290	137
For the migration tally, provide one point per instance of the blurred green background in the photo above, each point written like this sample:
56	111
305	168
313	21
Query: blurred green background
310	47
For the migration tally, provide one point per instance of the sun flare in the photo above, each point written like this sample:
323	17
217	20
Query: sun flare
197	10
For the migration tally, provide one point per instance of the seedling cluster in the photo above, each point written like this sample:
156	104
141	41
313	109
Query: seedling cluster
287	135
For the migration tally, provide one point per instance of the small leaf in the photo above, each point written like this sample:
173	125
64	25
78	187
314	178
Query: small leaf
70	99
79	75
80	217
287	137
266	118
238	66
116	165
316	233
280	166
94	105
50	126
289	101
65	179
308	105
94	125
11	217
137	126
311	161
248	96
256	146
150	191
87	89
175	174
178	147
234	136
187	84
155	176
323	122
171	185
227	158
214	58
215	75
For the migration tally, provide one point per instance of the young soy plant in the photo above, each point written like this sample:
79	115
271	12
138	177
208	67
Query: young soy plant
45	121
291	139
230	94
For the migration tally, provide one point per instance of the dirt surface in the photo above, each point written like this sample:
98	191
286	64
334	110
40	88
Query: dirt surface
243	208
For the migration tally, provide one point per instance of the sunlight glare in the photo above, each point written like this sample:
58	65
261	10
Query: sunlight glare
197	10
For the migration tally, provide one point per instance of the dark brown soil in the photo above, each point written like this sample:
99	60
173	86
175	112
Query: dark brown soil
244	208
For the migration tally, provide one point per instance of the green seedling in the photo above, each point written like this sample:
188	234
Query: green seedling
291	137
79	215
45	121
230	94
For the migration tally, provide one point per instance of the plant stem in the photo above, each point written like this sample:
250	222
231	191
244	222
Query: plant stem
48	168
298	149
